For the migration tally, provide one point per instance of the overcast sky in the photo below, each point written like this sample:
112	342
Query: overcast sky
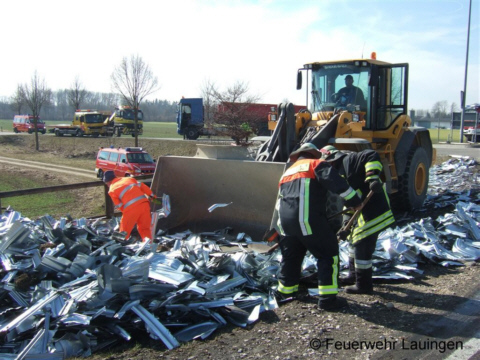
262	43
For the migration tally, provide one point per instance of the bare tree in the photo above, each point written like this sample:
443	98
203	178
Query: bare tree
134	80
440	108
235	111
61	104
76	94
16	101
454	108
209	102
35	95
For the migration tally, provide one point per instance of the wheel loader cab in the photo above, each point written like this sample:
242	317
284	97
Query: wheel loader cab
373	91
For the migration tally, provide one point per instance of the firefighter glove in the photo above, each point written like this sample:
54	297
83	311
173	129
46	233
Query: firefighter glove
376	186
343	234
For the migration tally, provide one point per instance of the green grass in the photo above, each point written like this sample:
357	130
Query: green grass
36	205
161	130
6	125
445	135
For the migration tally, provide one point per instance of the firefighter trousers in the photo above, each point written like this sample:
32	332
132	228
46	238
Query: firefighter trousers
325	250
140	215
363	251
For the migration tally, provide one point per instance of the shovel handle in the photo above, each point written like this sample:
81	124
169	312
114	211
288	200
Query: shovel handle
273	248
357	212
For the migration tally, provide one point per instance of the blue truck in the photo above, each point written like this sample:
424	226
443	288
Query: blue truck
190	119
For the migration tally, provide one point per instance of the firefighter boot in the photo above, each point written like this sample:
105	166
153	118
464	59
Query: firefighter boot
283	298
350	278
331	303
364	284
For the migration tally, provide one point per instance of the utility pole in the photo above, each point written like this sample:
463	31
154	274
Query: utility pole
464	92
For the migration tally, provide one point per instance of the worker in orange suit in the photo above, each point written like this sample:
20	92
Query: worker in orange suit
132	199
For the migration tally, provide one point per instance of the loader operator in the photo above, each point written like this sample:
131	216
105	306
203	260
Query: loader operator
362	171
132	199
303	224
350	94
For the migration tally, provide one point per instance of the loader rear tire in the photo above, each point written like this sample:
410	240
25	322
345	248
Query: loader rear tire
413	184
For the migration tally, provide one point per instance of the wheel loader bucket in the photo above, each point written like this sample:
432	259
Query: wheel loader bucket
195	184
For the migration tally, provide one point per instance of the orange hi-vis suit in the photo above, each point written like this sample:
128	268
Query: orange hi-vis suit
132	199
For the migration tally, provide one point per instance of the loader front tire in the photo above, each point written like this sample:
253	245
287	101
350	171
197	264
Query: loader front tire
413	184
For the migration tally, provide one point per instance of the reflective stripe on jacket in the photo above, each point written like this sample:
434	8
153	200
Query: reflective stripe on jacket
128	191
376	215
303	194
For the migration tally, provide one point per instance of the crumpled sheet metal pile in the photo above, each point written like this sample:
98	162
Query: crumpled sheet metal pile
69	288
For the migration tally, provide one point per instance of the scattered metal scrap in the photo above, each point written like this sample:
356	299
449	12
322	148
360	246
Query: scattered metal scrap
68	288
214	206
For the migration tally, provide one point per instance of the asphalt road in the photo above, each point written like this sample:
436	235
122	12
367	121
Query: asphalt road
459	150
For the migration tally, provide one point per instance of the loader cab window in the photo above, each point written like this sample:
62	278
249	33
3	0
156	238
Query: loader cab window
391	94
338	85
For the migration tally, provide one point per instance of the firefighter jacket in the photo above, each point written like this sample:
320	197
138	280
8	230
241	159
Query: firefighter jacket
127	191
358	169
303	195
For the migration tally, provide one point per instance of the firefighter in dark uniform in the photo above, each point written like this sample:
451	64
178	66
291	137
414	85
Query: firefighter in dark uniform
362	170
303	224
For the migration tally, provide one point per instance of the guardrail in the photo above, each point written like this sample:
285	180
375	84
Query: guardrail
109	207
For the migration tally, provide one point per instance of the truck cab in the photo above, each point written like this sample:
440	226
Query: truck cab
122	122
190	118
88	122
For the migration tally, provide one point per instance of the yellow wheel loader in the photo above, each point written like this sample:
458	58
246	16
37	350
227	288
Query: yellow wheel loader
352	104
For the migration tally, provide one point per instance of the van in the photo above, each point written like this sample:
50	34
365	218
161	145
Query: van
129	161
25	123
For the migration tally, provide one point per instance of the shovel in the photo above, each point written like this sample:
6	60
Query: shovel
345	230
